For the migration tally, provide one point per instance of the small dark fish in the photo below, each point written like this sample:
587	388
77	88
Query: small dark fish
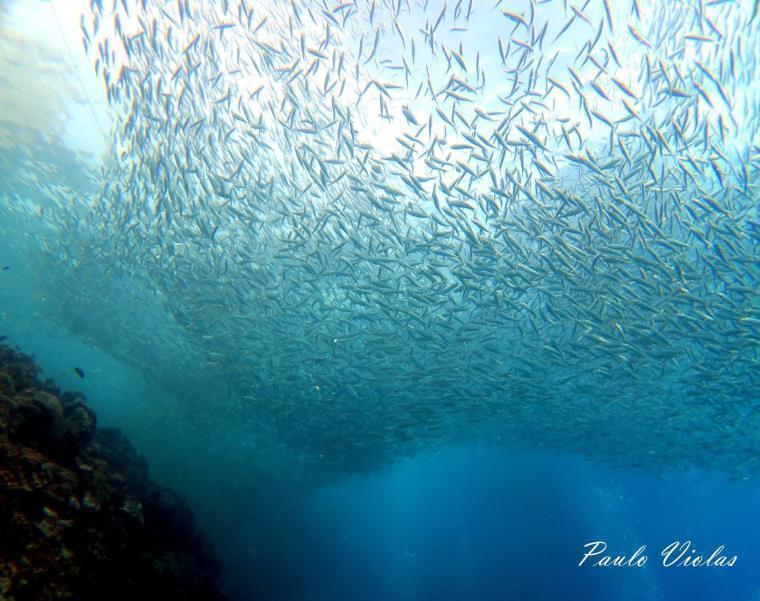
79	372
6	267
3	338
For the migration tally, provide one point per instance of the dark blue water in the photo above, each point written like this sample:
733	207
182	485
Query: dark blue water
485	523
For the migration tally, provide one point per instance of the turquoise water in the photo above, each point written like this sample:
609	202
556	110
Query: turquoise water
409	301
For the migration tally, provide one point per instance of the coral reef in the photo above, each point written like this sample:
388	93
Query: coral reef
79	517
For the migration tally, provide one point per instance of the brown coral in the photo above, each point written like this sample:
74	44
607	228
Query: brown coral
79	516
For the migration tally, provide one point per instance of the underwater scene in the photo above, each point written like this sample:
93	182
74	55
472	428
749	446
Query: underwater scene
380	300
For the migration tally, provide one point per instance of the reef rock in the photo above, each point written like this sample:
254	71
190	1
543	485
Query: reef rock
79	517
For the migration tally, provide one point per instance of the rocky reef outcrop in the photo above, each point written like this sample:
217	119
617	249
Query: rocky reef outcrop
79	517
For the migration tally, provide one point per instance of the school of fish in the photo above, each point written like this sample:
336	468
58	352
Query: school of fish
384	225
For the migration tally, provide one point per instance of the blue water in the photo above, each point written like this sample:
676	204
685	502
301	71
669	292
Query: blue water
484	523
467	521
